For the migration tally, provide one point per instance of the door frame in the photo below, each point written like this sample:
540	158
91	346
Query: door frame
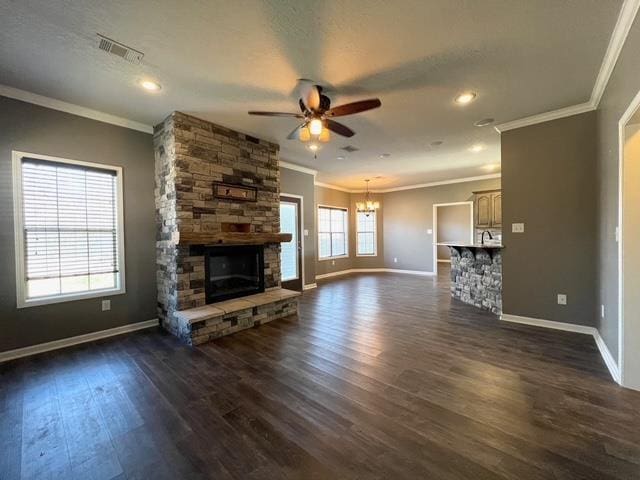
301	213
622	327
435	227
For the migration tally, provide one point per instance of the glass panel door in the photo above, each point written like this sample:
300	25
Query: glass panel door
290	261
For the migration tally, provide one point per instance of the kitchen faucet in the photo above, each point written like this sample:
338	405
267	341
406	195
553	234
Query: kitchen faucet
490	236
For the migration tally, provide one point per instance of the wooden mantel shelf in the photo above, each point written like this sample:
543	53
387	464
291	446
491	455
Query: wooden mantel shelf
232	238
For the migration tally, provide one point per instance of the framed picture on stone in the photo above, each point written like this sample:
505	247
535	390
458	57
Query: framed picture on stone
235	192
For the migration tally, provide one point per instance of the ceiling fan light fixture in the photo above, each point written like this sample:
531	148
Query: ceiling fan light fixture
305	134
313	147
324	136
476	148
315	126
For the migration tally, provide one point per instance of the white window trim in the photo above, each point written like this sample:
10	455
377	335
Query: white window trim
18	223
375	237
346	232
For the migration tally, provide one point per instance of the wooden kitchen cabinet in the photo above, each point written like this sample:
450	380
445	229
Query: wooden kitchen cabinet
496	209
488	209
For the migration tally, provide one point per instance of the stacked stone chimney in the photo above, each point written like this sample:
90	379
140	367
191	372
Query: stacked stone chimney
190	156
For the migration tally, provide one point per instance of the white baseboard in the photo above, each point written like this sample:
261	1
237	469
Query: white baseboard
609	361
537	322
309	286
67	342
373	270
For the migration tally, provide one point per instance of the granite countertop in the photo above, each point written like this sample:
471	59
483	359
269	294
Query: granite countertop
471	245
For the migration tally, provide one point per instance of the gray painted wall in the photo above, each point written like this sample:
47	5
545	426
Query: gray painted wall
35	129
408	214
300	183
623	85
549	183
454	225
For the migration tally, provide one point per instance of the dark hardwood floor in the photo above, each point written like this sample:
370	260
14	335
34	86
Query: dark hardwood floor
382	376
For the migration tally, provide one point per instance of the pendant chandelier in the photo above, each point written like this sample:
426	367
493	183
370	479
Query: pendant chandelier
368	206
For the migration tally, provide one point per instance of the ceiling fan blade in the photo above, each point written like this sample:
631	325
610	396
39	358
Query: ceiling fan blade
277	114
339	128
355	107
294	134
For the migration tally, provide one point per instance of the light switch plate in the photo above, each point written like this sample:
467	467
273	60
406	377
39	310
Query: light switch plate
517	227
430	232
306	232
602	311
562	299
395	259
106	305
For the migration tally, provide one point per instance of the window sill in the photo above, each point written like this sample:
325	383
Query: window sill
324	259
71	297
366	255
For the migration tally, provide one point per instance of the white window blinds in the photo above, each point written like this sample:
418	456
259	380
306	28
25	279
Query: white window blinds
332	232
69	227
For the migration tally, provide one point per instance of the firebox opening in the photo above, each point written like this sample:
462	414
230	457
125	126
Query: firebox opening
233	271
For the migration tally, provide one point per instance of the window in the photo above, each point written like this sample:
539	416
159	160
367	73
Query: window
332	232
366	234
68	229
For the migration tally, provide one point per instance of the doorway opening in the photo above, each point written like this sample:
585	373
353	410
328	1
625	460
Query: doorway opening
628	251
452	222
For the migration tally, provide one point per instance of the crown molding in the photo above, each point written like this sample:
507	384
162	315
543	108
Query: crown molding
437	184
52	103
333	187
546	117
413	187
625	20
297	168
618	38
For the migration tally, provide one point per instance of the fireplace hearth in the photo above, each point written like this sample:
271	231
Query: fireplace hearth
233	271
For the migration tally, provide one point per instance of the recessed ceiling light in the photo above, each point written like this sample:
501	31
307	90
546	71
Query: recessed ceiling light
437	143
150	85
340	157
465	98
476	148
384	155
313	147
484	122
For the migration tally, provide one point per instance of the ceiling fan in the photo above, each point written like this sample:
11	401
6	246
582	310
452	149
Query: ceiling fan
316	115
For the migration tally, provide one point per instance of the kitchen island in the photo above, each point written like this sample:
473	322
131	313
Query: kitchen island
476	274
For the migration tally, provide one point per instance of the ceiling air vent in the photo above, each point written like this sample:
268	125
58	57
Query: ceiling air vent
122	51
350	149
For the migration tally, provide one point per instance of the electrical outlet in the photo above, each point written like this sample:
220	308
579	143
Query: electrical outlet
395	259
517	227
562	299
333	262
106	305
602	311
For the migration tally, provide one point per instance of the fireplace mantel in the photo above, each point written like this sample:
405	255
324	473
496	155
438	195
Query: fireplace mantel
231	238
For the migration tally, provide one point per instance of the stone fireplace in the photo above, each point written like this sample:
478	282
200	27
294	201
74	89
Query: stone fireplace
212	250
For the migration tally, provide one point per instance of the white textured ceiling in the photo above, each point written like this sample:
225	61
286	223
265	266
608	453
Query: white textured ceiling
219	59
